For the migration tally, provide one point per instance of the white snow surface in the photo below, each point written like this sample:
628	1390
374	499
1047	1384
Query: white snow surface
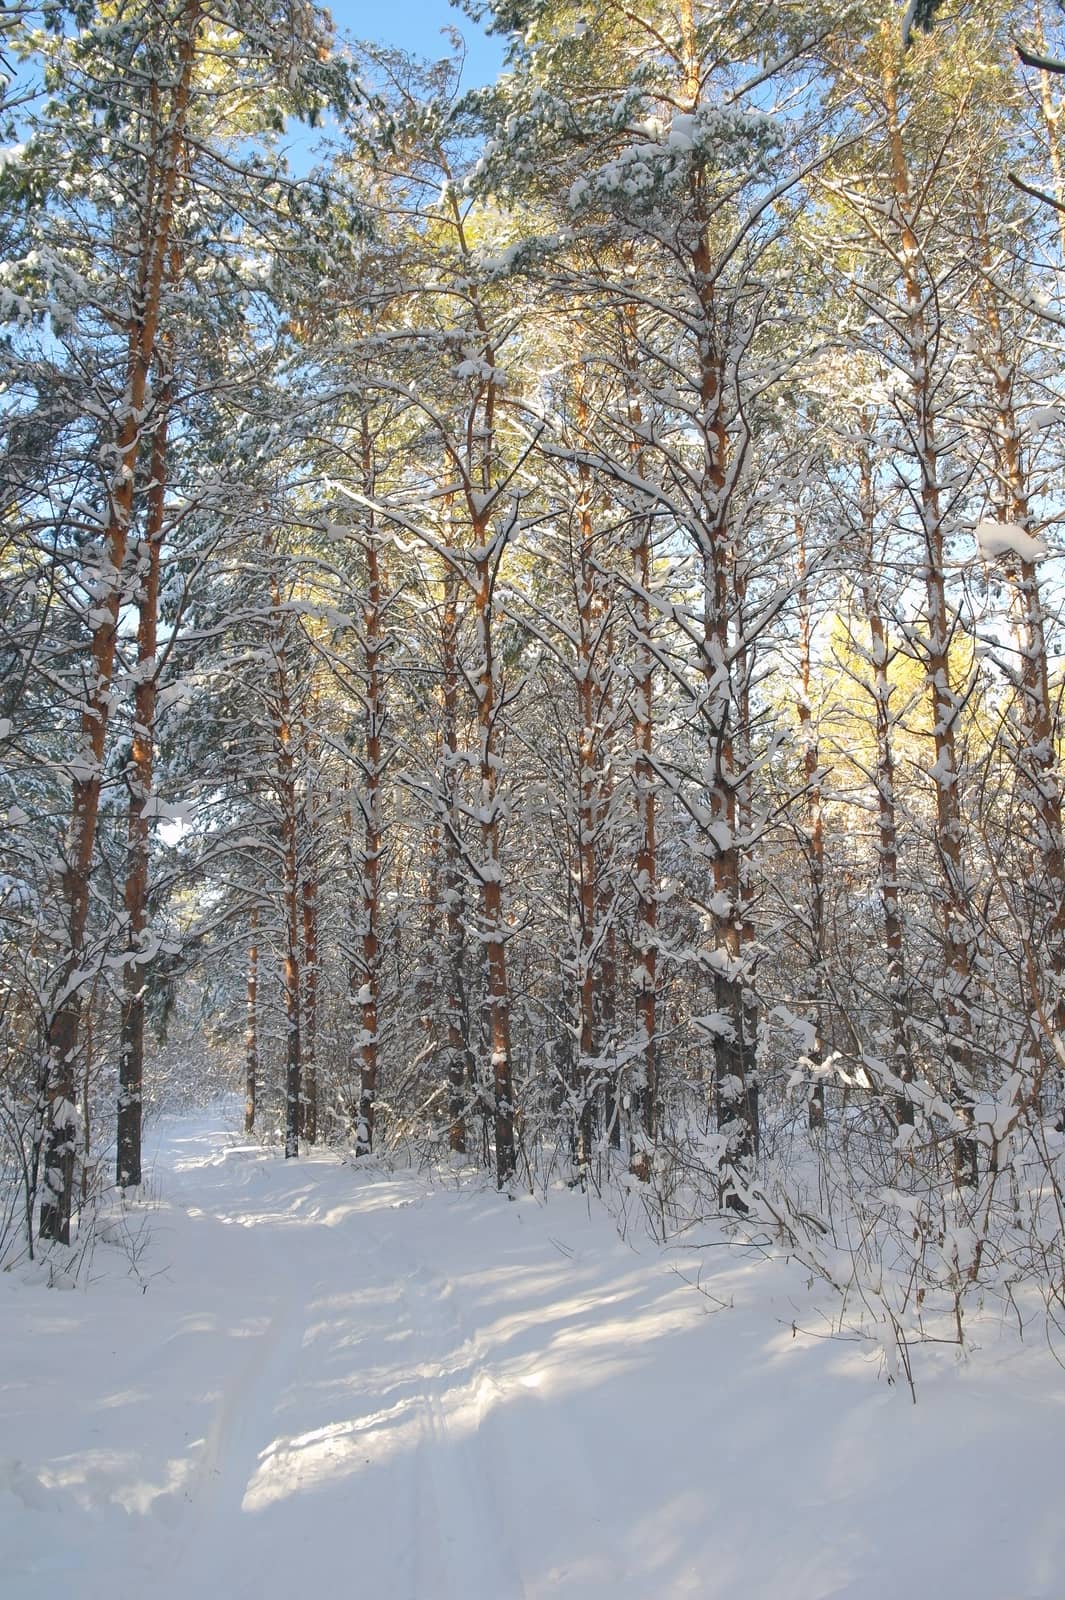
1008	538
343	1381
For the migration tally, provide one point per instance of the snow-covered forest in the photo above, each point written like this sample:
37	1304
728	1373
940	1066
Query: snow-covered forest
530	626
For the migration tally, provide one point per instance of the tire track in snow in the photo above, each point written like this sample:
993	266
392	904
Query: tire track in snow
473	1552
446	1514
285	1500
208	1517
516	1450
544	1484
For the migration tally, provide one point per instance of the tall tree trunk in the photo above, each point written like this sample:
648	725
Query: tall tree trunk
725	665
86	1096
59	1067
1036	750
814	843
608	1026
606	988
479	470
725	714
490	870
291	985
459	1064
373	846
887	822
251	1033
588	818
138	826
644	1092
309	1020
285	768
956	991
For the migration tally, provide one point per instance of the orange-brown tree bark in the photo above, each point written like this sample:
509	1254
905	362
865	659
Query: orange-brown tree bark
60	1064
251	1031
138	825
1035	747
956	991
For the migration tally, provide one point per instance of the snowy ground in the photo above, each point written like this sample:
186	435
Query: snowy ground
338	1382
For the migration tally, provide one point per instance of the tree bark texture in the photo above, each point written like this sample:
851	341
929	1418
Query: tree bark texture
956	989
251	1032
60	1065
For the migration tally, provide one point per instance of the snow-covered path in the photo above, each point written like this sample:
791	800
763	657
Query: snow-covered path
335	1381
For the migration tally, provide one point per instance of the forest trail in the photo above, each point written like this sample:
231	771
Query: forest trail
321	1380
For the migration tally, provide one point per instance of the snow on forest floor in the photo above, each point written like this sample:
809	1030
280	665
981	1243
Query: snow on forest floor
354	1383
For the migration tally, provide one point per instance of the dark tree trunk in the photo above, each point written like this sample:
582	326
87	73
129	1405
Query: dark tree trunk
814	836
957	986
459	1064
135	977
251	1036
285	778
59	1068
309	1030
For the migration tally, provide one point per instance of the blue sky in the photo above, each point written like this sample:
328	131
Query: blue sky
415	25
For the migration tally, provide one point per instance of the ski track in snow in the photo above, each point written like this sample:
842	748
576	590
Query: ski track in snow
342	1378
